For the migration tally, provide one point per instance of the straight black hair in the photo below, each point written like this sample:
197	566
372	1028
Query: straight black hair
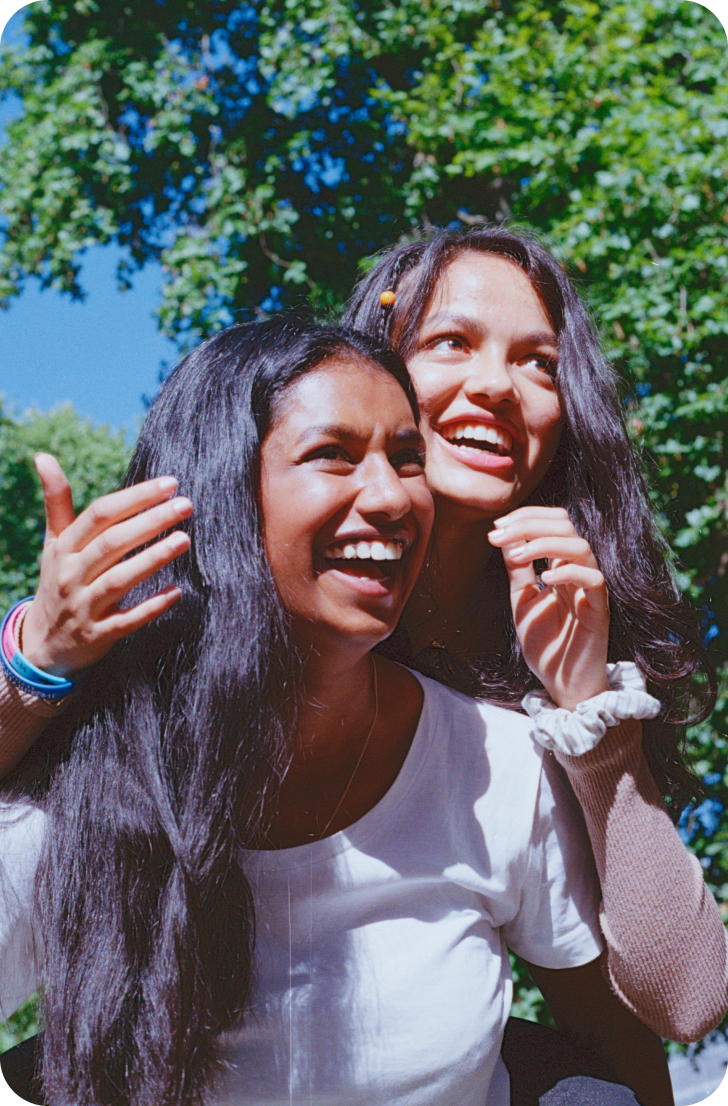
157	776
595	476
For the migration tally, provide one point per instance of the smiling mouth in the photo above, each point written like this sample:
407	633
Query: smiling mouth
376	559
478	435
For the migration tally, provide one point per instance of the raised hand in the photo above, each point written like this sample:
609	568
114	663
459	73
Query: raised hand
563	623
75	617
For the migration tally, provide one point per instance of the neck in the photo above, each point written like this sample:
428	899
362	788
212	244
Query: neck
449	604
336	703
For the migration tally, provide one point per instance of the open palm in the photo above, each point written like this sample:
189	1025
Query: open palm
85	572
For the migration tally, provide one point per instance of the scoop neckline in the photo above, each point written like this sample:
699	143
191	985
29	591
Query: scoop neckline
314	852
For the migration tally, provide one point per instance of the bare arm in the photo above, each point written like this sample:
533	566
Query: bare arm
618	1046
22	719
666	944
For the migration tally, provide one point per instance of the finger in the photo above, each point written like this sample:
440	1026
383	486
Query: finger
562	548
528	529
113	544
521	576
110	588
57	497
126	622
590	580
116	507
533	512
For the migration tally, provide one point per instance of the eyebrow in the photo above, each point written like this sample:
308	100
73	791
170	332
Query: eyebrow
471	322
341	432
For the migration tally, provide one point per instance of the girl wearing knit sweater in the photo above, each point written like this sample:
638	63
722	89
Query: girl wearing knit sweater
483	346
530	467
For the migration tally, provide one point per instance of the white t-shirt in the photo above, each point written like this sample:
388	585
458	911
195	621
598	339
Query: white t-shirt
382	977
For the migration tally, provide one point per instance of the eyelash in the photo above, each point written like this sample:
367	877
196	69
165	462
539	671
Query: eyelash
337	453
329	453
549	365
409	457
442	338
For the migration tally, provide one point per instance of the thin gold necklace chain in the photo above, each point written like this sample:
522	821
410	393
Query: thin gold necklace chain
361	754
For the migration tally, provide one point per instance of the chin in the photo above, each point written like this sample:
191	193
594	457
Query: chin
476	503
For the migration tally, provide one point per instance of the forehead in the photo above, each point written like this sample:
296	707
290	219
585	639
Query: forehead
352	392
490	285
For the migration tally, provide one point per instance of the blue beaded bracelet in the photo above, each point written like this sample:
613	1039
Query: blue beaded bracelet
25	676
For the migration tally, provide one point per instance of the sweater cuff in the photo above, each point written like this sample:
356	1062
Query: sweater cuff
577	732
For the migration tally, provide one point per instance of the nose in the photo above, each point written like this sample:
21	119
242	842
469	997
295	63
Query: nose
490	376
382	493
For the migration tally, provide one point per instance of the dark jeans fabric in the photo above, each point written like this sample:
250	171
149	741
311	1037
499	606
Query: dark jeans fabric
544	1071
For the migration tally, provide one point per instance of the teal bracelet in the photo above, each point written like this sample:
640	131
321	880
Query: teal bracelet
24	675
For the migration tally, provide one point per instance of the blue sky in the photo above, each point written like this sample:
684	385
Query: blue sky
102	355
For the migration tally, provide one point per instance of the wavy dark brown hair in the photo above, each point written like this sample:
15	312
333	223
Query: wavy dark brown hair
595	475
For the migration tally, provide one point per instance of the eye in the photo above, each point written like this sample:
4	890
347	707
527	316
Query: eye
409	462
329	457
446	343
543	363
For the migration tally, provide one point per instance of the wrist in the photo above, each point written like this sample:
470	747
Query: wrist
20	669
570	699
36	646
578	731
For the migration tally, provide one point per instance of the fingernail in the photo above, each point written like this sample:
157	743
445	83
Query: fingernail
519	553
179	540
182	504
167	484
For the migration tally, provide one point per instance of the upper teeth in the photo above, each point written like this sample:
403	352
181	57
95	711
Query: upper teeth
366	551
479	432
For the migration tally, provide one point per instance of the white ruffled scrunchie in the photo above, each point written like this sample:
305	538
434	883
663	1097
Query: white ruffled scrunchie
577	731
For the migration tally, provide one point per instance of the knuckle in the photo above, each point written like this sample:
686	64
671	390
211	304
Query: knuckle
99	511
65	583
114	579
87	635
117	629
104	547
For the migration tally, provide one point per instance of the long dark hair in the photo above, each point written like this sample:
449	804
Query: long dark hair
595	476
147	919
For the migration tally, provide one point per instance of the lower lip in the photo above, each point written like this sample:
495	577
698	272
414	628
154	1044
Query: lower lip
375	586
479	459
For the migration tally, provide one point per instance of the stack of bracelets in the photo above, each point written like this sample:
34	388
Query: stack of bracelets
18	668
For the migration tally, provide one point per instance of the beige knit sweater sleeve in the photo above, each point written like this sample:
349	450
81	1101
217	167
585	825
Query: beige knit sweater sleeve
667	948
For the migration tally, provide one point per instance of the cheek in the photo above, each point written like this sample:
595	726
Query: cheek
432	390
545	430
423	507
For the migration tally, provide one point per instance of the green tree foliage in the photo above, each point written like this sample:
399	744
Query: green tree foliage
94	459
261	150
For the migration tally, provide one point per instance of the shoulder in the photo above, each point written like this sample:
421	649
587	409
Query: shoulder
488	723
471	735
